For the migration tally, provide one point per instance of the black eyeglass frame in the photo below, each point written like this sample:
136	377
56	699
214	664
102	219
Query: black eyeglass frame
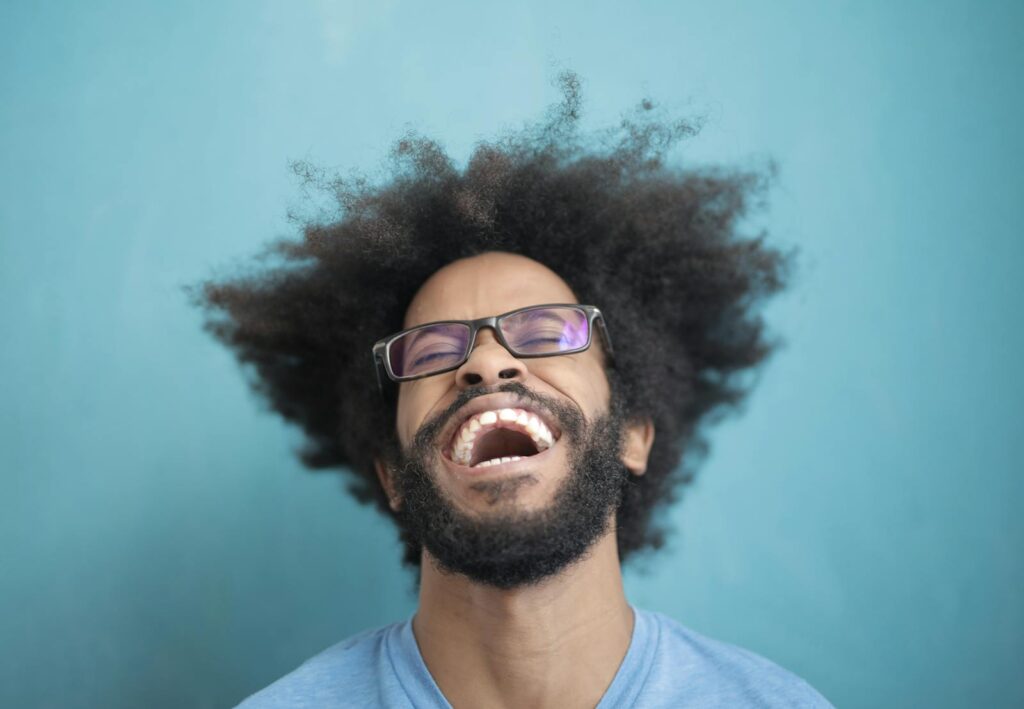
382	348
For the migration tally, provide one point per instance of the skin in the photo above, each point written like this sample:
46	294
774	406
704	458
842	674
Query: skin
558	643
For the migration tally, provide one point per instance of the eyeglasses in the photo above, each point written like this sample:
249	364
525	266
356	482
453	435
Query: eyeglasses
536	331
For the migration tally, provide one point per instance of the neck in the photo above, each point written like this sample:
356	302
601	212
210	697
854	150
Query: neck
555	644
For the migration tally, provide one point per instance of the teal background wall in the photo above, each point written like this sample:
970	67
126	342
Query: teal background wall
858	524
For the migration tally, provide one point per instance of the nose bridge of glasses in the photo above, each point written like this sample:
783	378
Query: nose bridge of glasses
486	333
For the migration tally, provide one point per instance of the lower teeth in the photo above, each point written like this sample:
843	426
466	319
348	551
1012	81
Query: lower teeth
498	461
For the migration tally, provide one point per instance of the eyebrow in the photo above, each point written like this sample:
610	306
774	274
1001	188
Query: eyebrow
542	312
544	315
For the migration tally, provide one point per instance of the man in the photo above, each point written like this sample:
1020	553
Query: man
561	320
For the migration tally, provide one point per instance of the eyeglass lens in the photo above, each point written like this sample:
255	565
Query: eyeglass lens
538	331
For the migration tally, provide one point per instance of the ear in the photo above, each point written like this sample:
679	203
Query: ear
387	482
639	437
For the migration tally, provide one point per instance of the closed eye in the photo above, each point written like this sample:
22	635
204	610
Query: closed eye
434	357
541	341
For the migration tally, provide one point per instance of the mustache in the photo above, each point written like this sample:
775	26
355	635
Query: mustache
570	418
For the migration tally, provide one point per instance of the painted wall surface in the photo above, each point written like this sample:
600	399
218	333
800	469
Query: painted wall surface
160	546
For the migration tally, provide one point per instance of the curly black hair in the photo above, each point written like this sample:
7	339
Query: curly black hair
658	248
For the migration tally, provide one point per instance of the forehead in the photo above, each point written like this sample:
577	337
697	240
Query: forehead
485	285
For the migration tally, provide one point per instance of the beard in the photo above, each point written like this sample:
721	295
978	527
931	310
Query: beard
515	548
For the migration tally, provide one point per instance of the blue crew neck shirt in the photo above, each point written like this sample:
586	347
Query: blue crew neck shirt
666	665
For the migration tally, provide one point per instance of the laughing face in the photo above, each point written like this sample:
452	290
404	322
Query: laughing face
511	468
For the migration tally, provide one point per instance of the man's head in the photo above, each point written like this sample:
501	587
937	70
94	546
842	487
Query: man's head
513	521
542	216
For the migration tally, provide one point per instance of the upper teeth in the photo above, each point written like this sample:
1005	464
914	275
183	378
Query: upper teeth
517	419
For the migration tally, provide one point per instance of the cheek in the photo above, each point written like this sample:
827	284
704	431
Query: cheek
595	383
415	401
580	378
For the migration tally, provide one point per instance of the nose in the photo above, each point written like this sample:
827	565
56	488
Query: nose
489	363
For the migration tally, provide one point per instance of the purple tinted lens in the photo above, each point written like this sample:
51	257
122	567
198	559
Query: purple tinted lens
428	349
546	330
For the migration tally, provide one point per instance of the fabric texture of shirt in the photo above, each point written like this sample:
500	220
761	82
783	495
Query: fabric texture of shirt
666	665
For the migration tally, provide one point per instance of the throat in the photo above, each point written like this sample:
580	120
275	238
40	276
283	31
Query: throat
502	443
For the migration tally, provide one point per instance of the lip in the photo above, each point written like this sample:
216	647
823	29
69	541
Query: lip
489	402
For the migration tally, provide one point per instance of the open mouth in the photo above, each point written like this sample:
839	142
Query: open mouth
500	436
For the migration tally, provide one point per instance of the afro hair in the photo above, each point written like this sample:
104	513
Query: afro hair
657	247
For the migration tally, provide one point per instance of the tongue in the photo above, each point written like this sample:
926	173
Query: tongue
501	443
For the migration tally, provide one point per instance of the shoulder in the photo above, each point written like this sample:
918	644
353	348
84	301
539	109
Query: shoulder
345	674
718	673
